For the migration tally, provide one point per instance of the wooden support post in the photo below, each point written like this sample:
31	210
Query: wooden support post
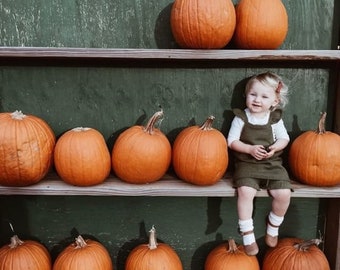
332	235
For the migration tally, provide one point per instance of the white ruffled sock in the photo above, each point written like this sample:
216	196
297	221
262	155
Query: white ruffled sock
276	221
247	226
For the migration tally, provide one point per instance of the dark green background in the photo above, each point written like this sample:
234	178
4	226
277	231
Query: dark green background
113	97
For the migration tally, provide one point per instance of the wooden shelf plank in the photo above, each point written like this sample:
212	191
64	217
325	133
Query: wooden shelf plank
169	54
168	186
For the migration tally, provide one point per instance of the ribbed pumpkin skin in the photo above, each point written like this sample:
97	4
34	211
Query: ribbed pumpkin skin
200	156
224	258
286	257
82	157
163	257
90	257
141	155
26	149
153	256
261	24
28	255
314	157
201	24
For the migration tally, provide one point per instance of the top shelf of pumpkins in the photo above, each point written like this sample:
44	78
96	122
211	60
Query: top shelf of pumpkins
255	27
142	154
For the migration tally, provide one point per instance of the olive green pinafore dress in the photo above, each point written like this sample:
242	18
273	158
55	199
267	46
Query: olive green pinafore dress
247	166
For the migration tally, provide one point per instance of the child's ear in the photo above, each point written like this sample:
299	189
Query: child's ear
276	102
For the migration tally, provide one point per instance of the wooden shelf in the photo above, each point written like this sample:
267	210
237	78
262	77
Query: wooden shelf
168	186
169	54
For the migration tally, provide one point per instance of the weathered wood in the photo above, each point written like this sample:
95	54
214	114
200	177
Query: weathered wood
171	54
332	236
168	186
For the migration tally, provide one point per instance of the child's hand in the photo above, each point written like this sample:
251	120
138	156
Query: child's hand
270	151
259	152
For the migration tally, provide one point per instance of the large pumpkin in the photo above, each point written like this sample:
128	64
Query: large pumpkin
229	256
295	254
142	154
26	149
200	154
82	157
314	156
261	24
84	255
201	24
26	254
153	256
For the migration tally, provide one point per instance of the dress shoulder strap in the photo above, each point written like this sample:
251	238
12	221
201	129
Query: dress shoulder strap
240	113
275	116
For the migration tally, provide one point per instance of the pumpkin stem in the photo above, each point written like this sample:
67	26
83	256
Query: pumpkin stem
232	246
152	238
15	241
305	245
152	121
207	125
80	242
321	127
18	115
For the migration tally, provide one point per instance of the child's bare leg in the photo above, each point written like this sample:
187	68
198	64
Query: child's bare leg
280	204
245	210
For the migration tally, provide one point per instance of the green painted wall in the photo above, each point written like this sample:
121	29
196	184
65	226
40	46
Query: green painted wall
111	98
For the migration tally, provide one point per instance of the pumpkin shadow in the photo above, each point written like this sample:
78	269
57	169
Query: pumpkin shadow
125	250
60	246
200	255
172	134
114	136
162	31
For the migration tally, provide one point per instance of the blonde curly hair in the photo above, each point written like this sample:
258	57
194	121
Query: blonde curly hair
273	81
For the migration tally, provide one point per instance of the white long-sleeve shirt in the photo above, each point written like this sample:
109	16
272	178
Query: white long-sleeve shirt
279	129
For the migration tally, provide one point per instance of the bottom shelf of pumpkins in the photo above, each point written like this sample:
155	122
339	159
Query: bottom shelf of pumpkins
143	154
89	254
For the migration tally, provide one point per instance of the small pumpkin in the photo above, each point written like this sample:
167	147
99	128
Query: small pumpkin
153	256
295	253
200	154
85	255
201	24
261	24
229	256
142	154
26	149
82	157
28	254
314	156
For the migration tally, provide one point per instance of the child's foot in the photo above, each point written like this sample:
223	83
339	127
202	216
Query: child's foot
249	243
252	249
271	241
271	237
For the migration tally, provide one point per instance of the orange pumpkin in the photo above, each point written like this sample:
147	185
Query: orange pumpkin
142	154
153	256
82	157
201	24
200	154
261	24
229	257
314	156
26	149
85	255
294	253
26	254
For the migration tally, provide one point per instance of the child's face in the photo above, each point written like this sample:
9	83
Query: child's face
260	98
